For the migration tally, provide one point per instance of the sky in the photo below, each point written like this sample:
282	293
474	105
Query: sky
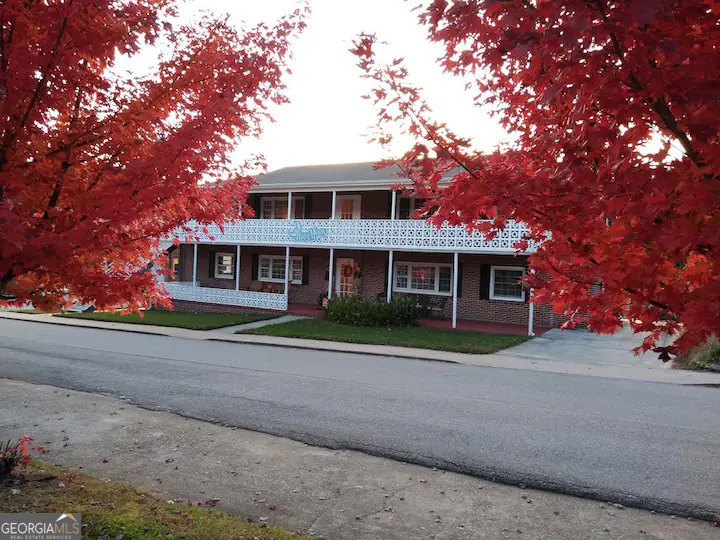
327	120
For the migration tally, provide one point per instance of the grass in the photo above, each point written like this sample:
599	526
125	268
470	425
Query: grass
701	356
180	319
423	338
120	510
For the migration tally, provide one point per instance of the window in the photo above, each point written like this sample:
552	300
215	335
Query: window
505	283
423	278
272	269
347	207
224	265
407	205
175	264
276	207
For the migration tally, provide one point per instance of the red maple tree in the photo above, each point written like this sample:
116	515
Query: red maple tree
615	107
96	163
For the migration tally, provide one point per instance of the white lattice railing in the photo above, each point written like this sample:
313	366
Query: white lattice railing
228	297
385	234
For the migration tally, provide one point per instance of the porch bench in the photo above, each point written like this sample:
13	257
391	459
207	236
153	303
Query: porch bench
433	305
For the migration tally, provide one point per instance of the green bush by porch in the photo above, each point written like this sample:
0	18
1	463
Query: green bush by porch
357	311
420	337
179	319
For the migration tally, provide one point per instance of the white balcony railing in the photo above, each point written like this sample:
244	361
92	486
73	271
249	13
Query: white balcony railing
380	234
228	297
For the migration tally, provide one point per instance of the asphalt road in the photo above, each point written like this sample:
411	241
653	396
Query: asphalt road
649	445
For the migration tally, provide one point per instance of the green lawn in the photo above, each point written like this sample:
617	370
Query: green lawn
181	319
423	338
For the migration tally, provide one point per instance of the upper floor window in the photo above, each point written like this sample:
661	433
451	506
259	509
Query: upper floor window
406	206
423	278
505	283
347	207
224	265
272	269
276	207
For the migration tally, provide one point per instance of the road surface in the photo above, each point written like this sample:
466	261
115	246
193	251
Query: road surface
645	444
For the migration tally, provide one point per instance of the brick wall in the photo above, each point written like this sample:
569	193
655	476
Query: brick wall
374	279
373	204
470	306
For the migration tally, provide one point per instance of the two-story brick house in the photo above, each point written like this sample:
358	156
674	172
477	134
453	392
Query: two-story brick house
349	233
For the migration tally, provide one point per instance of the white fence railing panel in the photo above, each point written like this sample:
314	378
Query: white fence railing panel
228	297
382	234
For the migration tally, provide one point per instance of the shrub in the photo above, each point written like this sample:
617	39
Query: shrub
12	455
358	311
701	356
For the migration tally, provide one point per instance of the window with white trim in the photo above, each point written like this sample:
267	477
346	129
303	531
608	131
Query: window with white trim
406	206
272	269
224	265
505	283
276	207
423	278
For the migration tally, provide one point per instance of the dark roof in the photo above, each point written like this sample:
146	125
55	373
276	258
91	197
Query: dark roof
347	175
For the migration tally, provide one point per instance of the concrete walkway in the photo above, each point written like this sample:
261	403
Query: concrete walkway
572	352
340	494
258	324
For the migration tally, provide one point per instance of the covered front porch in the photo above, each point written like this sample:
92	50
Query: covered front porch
299	280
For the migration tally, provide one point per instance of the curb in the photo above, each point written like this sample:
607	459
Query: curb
390	351
346	351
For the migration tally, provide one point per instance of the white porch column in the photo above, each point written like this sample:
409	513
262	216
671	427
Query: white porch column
531	315
287	271
237	268
334	203
393	204
390	274
455	289
195	255
330	273
289	212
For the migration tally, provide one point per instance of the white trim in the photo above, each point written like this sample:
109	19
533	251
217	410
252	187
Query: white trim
293	204
281	258
215	265
410	265
330	274
357	201
454	289
390	275
195	258
492	284
359	184
237	268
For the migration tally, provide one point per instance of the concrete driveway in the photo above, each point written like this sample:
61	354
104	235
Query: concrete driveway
583	347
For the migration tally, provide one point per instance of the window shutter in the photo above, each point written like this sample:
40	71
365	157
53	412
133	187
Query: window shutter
252	201
211	264
460	279
308	209
305	270
387	276
255	262
484	282
404	207
526	291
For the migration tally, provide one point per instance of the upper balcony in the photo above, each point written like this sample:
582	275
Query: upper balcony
369	234
351	206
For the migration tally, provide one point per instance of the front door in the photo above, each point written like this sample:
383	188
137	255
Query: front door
345	281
